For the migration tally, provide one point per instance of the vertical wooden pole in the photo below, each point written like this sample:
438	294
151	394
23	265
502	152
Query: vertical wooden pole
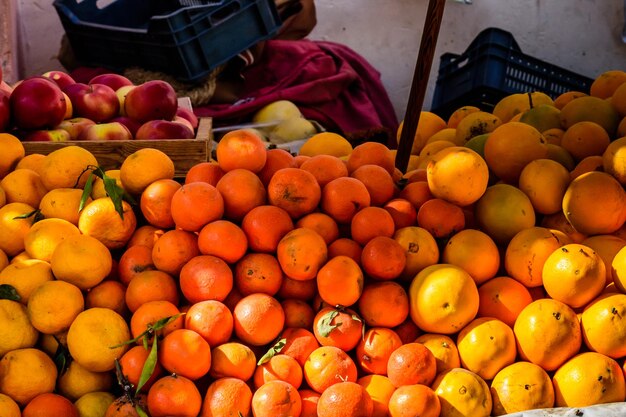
428	44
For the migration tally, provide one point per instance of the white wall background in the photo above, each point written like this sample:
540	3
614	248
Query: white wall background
581	35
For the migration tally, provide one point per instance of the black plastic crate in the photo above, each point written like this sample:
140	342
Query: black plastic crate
492	67
185	41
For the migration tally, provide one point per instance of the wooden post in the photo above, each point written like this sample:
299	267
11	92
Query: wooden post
428	44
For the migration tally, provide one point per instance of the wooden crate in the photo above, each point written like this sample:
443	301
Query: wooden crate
111	153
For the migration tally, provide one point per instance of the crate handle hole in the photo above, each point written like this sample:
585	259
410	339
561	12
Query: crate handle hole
225	12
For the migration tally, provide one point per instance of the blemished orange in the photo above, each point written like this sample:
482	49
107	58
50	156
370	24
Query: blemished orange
212	320
13	152
380	390
54	305
223	239
205	277
276	399
185	353
143	167
588	378
519	387
134	260
328	365
414	400
345	399
383	304
26	373
227	397
232	359
462	392
322	223
527	251
340	281
62	203
81	260
420	247
339	327
443	299
209	172
174	249
458	175
384	258
151	285
95	338
503	298
156	201
278	367
374	349
50	405
325	168
411	363
486	345
443	349
603	324
343	197
66	167
123	407
475	252
265	226
44	236
241	148
295	190
474	124
574	274
458	114
196	204
100	219
548	333
12	230
301	253
241	190
258	272
174	394
258	319
23	186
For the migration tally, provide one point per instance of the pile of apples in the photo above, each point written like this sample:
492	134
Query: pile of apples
54	107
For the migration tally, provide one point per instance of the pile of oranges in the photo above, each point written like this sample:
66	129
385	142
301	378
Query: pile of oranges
490	278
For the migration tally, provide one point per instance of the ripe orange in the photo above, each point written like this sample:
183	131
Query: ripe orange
338	327
374	349
81	260
265	226
143	167
378	181
156	202
258	319
223	239
343	197
340	281
371	222
242	190
134	260
232	359
475	252
328	365
325	168
276	399
414	400
502	298
385	258
50	405
13	153
347	247
174	249
23	186
443	349
26	373
66	167
99	219
25	276
402	211
227	397
205	277
174	395
441	218
196	204
44	236
276	159
420	248
544	181
298	313
370	153
548	333
209	172
151	312
185	353
54	305
295	190
322	223
62	203
345	399
151	286
132	363
383	304
13	229
380	390
241	149
411	363
258	272
279	367
299	343
212	320
603	323
301	252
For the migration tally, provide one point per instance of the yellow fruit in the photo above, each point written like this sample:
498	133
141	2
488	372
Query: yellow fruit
25	276
98	190
26	373
23	186
77	381
544	182
475	124
44	236
13	228
588	378
428	124
518	103
443	299
443	349
462	393
542	117
604	325
459	114
519	387
276	111
66	167
62	203
12	152
296	128
614	159
326	143
16	331
94	338
143	167
420	247
54	305
94	404
8	407
81	260
475	252
593	109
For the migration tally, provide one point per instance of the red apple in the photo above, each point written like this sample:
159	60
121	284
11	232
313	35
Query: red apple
5	111
69	108
151	100
131	124
164	129
62	79
106	131
180	119
6	88
189	115
75	126
121	96
37	103
97	102
42	135
115	81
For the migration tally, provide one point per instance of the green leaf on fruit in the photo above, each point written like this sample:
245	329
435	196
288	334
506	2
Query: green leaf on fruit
114	191
35	214
273	351
325	326
150	331
148	366
8	292
61	357
86	191
140	411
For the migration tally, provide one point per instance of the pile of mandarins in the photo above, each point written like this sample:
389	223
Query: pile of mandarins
490	278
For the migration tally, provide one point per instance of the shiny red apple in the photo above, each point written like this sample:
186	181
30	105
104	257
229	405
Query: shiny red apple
189	115
115	81
46	135
75	126
97	102
62	79
37	103
164	129
132	124
151	100
106	131
5	111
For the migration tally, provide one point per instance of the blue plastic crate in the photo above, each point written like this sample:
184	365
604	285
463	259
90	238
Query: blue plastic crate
185	41
492	67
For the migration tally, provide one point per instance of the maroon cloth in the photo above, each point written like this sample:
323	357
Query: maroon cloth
329	82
